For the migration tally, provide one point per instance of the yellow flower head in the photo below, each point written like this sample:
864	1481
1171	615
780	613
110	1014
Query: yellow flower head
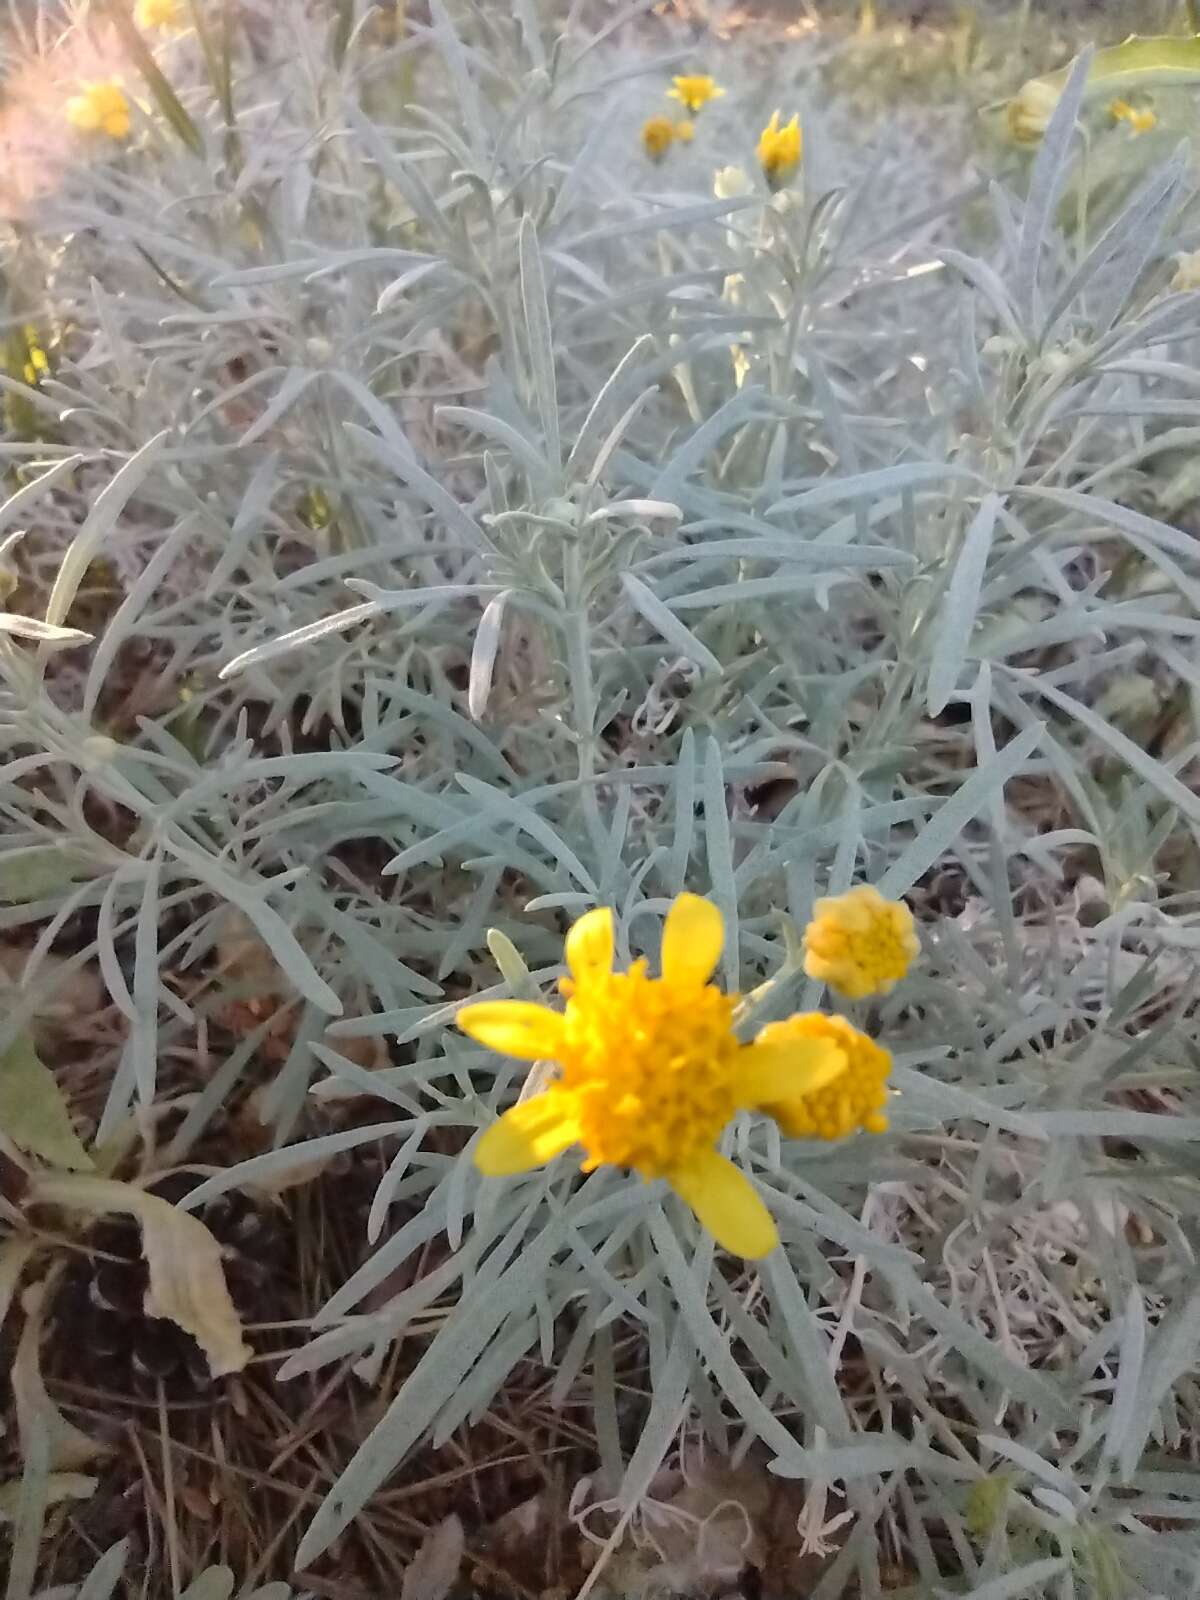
859	943
100	108
159	14
650	1071
657	134
1141	121
694	92
1029	112
1187	271
685	130
779	149
854	1100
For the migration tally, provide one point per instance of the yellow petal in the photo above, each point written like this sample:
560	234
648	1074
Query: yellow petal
692	940
728	1205
528	1136
513	1027
590	944
769	1072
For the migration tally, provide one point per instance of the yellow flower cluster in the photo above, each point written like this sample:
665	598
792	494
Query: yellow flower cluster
101	108
1140	119
779	150
779	147
659	133
651	1070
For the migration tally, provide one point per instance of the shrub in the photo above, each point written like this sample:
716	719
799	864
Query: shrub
469	522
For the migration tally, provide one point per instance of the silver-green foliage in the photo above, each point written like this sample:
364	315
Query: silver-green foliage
419	429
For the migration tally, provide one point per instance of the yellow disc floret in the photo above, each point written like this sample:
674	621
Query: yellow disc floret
859	943
652	1068
855	1099
101	108
650	1071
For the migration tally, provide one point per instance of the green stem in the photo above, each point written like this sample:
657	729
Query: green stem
583	694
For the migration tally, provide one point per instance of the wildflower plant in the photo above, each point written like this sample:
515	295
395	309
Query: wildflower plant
480	605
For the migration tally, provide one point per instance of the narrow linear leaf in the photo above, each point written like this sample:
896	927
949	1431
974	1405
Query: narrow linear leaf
541	343
960	607
664	620
100	521
167	100
1046	185
963	806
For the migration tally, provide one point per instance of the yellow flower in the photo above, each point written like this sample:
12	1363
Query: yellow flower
1141	121
694	92
657	133
37	363
100	108
1187	271
650	1071
685	131
779	149
854	1100
159	14
1029	112
859	943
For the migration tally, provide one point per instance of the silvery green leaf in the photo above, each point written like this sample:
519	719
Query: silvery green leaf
1046	184
45	633
960	607
100	521
541	344
665	622
971	797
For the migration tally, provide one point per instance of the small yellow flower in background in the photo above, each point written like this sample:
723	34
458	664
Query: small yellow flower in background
159	14
1141	121
694	92
37	363
859	943
854	1100
779	149
101	108
1029	112
685	131
651	1071
1187	271
657	134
